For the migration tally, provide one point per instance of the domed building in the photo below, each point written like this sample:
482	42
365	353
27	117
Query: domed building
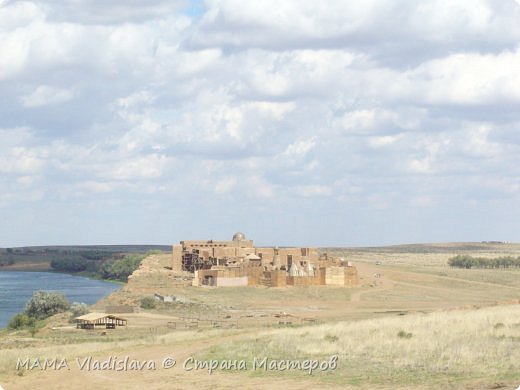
239	236
239	263
193	255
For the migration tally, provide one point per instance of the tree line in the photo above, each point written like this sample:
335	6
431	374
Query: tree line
118	267
467	261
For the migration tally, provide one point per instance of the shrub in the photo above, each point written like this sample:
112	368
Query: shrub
78	309
148	303
404	335
20	321
466	261
44	304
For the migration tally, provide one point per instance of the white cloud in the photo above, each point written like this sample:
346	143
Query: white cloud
135	99
145	167
225	185
367	121
313	190
21	160
45	95
276	110
425	158
379	27
379	142
257	186
470	78
287	106
423	165
479	144
18	14
300	148
96	186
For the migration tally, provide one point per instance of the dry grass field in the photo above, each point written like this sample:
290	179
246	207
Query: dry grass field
412	323
438	350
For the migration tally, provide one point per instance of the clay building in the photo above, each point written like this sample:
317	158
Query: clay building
239	263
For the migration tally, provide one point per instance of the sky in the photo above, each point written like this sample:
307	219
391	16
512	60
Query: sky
298	122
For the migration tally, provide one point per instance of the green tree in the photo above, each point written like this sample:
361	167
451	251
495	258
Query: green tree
20	321
69	265
77	309
120	268
44	304
466	261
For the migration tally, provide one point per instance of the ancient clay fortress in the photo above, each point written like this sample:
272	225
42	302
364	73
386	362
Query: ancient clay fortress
239	263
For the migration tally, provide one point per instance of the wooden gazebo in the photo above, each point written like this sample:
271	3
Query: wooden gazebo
94	320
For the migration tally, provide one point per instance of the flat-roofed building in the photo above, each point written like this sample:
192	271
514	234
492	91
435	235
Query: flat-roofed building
211	260
202	254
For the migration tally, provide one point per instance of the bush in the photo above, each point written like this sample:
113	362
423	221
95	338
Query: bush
404	335
78	309
20	321
44	304
148	303
466	261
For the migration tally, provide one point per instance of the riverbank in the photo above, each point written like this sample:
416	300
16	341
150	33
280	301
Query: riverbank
39	266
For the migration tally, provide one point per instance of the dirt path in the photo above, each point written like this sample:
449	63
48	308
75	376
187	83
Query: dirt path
384	285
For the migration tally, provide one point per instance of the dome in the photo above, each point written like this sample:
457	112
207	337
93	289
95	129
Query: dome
239	236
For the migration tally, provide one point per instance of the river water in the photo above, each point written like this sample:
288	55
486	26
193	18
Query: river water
16	288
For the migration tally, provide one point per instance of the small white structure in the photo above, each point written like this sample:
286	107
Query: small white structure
164	298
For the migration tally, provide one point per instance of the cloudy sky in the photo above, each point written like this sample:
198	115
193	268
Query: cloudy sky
325	123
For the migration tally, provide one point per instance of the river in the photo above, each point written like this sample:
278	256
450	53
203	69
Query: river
16	288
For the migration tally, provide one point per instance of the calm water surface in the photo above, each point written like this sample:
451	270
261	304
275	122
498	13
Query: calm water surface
16	288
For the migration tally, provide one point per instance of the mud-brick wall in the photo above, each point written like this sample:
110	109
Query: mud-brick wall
303	280
278	278
320	277
351	276
254	274
177	257
335	276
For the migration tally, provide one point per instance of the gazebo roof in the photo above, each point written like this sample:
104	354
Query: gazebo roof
97	316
